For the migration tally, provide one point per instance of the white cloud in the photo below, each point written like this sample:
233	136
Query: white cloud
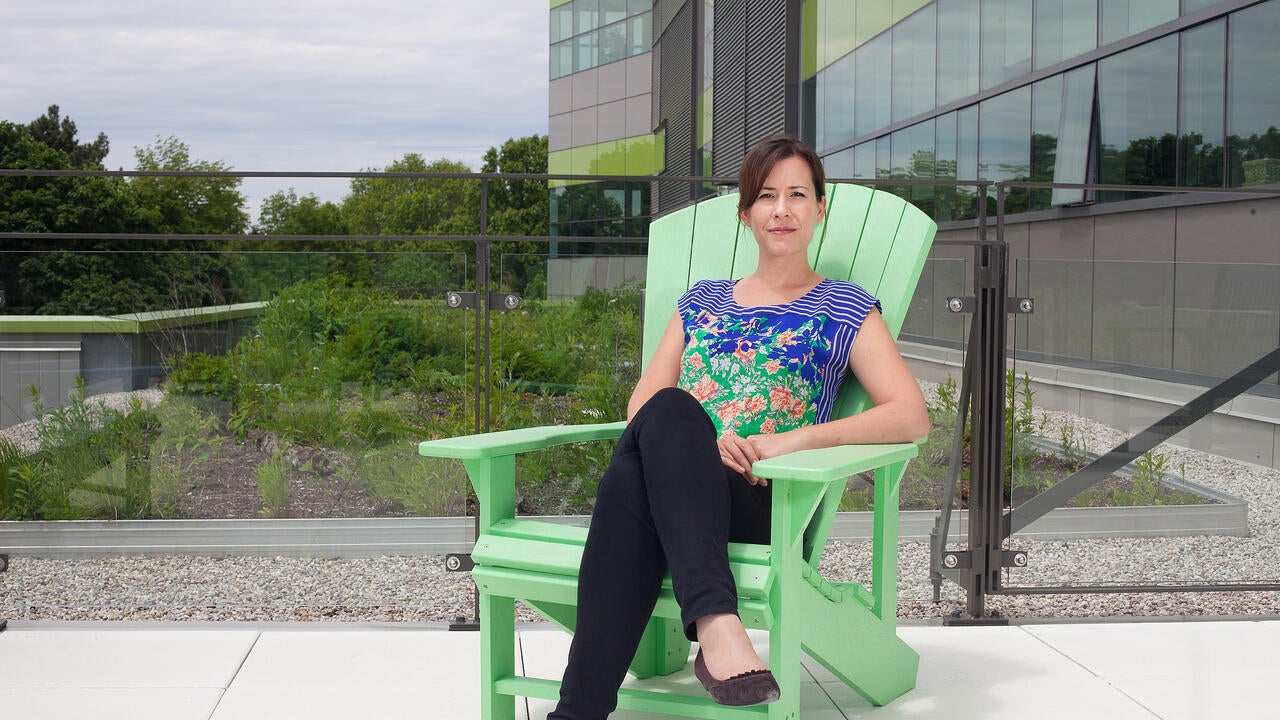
280	85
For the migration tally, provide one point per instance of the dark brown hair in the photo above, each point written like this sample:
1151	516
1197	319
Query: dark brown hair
760	160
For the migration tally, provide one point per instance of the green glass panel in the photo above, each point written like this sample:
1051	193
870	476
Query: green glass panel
914	42
586	15
957	49
1137	111
1064	29
1253	96
639	34
561	22
840	29
1122	18
612	11
873	18
586	51
810	31
1202	97
903	8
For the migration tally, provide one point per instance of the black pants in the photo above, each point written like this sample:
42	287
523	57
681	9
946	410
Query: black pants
666	502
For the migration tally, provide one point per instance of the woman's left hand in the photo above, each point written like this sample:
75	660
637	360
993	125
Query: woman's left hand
739	453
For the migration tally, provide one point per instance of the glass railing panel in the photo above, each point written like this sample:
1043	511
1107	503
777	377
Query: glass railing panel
278	418
1194	509
570	354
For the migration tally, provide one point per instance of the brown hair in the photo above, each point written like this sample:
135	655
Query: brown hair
760	160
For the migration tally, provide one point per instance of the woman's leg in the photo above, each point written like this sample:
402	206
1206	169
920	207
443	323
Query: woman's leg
664	503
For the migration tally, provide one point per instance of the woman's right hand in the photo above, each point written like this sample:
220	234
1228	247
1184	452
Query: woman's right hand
737	454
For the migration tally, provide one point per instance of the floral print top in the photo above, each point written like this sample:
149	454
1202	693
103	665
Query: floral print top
771	368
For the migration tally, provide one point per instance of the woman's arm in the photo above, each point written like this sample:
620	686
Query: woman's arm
664	367
898	414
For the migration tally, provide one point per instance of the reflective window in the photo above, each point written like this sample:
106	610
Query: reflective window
1202	98
1003	150
1071	159
864	160
586	15
640	34
1122	18
1137	116
1046	111
1006	40
1253	96
613	42
1190	6
612	11
561	22
835	98
839	165
911	157
884	165
957	49
561	59
1064	29
967	161
872	80
585	50
873	17
914	43
944	167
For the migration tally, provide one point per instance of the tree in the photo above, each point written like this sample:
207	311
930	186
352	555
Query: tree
412	206
187	205
59	133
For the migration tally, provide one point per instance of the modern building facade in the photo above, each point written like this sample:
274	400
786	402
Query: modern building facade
1135	92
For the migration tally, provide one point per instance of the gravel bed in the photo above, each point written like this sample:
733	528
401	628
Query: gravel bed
419	589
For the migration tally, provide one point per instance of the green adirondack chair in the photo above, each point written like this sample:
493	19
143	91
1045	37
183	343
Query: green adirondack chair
870	237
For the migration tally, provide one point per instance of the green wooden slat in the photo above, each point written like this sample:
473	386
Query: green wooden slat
670	238
746	553
843	233
661	701
511	442
834	463
714	237
878	234
902	269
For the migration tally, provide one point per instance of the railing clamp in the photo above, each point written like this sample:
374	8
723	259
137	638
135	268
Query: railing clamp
460	299
458	562
1013	305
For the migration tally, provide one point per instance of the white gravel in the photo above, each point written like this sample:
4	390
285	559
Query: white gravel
419	589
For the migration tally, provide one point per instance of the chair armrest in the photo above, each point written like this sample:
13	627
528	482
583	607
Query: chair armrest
511	442
827	464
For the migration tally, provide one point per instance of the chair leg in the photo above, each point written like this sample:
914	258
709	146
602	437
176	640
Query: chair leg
497	655
663	649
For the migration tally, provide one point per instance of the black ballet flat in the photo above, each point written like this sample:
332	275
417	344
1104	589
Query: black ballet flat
756	687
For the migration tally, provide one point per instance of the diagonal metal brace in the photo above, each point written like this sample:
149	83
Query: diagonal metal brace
1128	451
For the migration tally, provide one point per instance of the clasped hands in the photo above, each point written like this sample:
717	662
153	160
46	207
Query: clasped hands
738	453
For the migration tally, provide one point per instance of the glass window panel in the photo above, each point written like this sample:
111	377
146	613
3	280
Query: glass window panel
957	49
914	41
586	15
1253	96
836	93
1122	18
1137	116
873	86
1064	29
838	31
944	207
561	22
635	7
1004	150
640	34
586	47
1202	100
912	158
613	42
883	161
864	160
1190	6
809	120
1071	161
967	161
839	165
612	11
1006	40
561	59
1046	111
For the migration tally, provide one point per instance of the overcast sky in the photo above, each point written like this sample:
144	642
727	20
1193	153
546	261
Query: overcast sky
282	84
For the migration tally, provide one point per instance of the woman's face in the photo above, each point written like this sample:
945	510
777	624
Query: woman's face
787	209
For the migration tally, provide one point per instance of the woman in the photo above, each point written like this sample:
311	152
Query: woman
744	371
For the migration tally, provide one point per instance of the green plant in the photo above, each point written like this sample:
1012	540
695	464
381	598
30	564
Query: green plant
1073	449
272	477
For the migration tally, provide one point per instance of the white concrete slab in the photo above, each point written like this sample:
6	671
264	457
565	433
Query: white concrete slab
374	673
114	659
109	703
